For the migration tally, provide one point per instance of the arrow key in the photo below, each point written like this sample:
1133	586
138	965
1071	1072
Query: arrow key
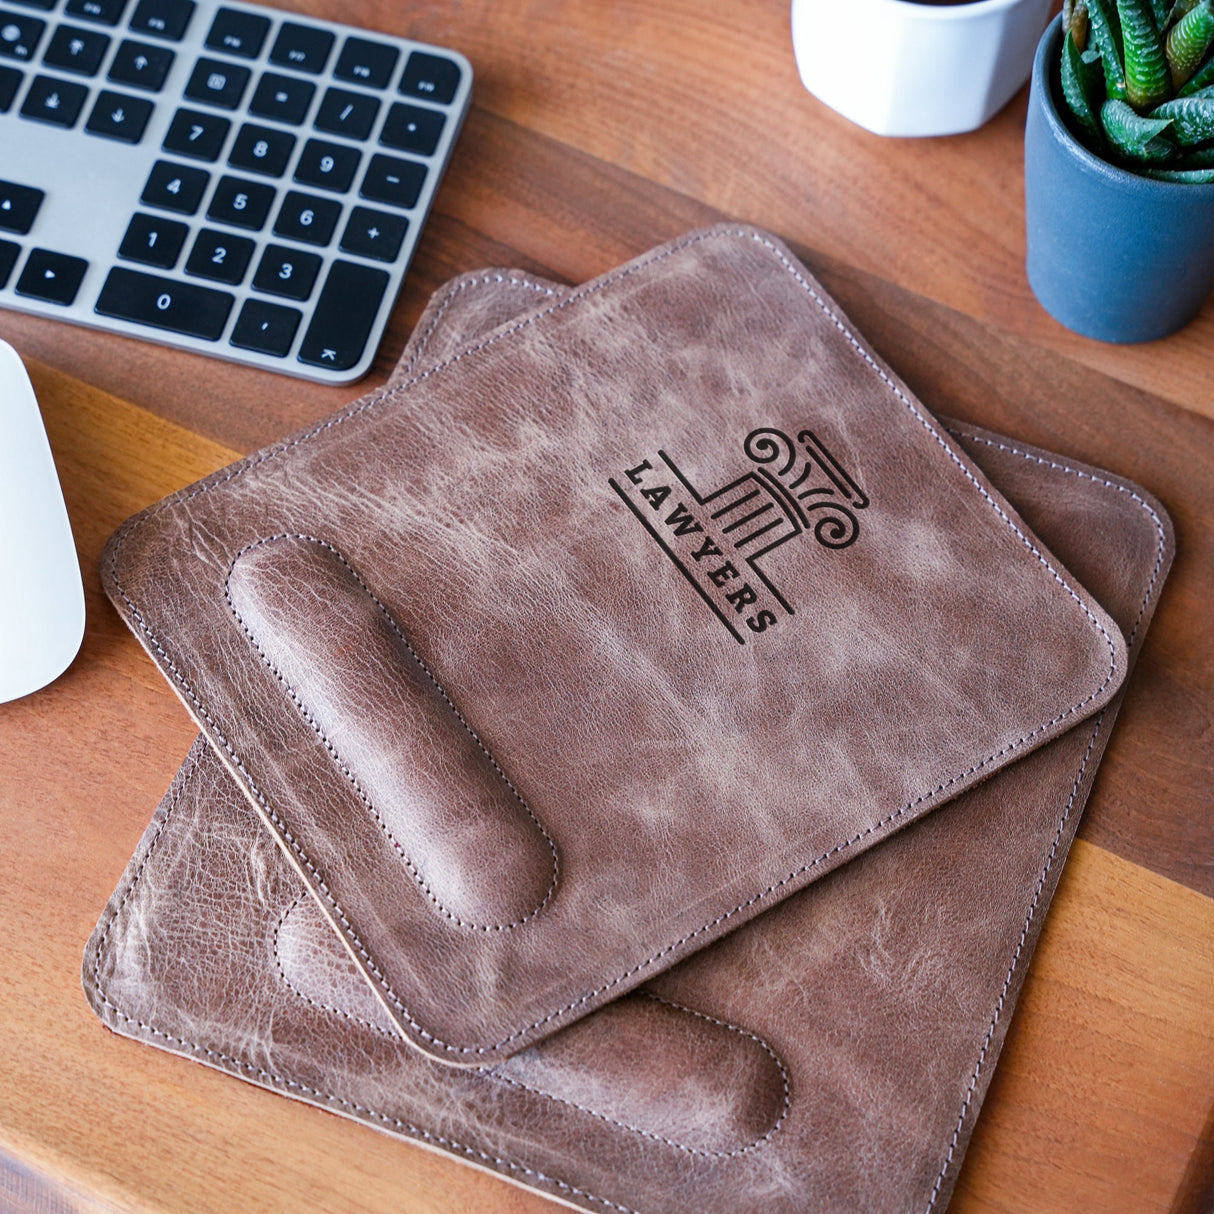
119	116
54	277
55	101
76	50
18	206
141	64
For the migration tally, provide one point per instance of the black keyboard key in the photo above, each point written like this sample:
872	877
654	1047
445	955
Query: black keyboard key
244	204
308	218
165	303
54	101
287	272
410	128
303	47
195	134
10	82
365	62
175	187
283	98
119	116
344	113
53	277
265	327
216	83
162	18
262	149
238	33
47	5
374	234
395	181
18	207
153	241
9	252
19	35
329	165
108	12
220	256
344	316
142	64
431	77
76	50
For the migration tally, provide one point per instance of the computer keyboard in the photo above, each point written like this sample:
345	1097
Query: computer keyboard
226	178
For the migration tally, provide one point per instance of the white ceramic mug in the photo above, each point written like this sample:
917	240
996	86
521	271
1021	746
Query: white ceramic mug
900	68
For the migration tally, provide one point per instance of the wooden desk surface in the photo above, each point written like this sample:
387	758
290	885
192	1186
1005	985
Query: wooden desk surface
598	130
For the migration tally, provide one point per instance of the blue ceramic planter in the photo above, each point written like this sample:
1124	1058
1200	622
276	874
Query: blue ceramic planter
1111	255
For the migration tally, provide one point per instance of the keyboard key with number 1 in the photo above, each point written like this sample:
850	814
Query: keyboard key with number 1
118	116
53	277
165	303
344	316
153	241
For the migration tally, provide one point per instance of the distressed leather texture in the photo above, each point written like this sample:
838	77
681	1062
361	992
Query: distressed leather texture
562	658
831	1055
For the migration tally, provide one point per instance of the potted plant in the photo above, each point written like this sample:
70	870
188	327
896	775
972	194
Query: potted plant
1119	166
930	67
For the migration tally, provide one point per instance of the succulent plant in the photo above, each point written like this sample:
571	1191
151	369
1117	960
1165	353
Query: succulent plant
1138	79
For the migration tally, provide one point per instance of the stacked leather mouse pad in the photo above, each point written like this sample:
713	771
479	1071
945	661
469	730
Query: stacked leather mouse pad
639	745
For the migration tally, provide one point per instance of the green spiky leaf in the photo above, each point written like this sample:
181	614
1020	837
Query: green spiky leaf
1178	10
1193	176
1192	119
1106	33
1082	88
1160	10
1134	136
1190	39
1201	79
1146	66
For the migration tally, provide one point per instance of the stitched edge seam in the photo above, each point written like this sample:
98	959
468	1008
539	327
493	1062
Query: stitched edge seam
488	1073
1066	813
492	339
297	700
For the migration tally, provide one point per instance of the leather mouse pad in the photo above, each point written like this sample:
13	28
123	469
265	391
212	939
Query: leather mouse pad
574	651
831	1055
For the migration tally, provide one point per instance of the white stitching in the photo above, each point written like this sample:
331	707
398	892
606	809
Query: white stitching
350	776
1066	813
701	1152
492	339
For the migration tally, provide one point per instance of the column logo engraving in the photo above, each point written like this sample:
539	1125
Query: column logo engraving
717	540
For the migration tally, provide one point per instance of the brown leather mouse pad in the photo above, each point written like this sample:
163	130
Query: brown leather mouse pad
832	1055
577	650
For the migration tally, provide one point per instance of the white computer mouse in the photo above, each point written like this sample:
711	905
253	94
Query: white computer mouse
41	594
